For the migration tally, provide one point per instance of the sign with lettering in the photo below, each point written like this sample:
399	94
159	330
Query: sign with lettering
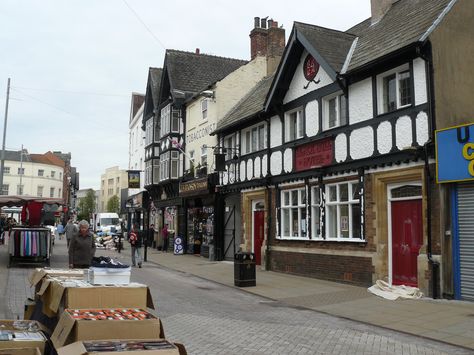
193	187
133	179
200	133
314	155
455	154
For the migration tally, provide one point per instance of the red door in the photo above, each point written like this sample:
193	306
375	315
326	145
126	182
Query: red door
407	238
258	235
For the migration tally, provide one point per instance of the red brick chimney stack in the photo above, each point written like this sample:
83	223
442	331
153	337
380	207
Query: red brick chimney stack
258	38
198	51
267	39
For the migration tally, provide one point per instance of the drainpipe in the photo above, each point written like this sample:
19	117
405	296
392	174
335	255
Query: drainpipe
269	199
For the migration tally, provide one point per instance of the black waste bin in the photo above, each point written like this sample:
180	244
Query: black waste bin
244	269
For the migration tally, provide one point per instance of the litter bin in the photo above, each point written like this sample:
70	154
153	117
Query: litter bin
244	269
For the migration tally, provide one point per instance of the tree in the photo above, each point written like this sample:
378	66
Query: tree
86	205
113	204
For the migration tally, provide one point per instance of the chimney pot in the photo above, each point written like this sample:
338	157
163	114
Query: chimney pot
263	23
256	22
275	24
198	51
270	23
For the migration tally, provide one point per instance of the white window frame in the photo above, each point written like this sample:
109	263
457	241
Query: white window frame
251	142
229	145
204	108
6	170
59	192
175	118
174	164
165	120
315	213
51	191
5	189
299	132
338	203
39	191
300	207
382	105
148	172
338	97
53	174
21	171
164	166
203	161
40	172
148	132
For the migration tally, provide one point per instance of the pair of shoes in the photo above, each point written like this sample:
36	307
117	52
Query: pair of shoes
140	266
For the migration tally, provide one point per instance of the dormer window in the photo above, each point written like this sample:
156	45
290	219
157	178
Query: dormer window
394	89
204	108
335	111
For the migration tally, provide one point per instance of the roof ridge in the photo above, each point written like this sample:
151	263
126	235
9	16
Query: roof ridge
324	28
204	54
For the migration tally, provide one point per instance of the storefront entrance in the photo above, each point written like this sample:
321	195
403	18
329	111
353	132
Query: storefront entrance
406	233
258	230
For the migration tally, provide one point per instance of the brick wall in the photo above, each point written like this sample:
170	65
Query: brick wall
349	269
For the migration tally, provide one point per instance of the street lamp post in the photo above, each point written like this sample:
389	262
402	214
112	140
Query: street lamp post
2	164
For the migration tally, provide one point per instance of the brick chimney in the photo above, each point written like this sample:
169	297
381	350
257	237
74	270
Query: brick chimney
379	8
267	39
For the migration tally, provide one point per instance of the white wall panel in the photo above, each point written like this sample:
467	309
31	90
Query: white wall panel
249	169
275	132
264	165
257	167
422	127
403	132
242	175
298	82
384	137
362	143
312	118
288	160
340	148
360	101
275	163
225	178
419	78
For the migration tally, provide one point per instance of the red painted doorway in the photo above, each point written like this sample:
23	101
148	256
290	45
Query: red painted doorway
258	235
407	238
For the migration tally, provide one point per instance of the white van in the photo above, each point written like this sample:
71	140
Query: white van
107	222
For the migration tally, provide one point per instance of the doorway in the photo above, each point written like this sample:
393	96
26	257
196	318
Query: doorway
258	235
405	232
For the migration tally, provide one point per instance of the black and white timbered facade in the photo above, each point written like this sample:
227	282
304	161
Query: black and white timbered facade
335	153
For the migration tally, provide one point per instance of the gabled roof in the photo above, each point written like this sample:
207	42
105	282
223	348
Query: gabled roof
405	23
152	93
48	158
191	72
249	106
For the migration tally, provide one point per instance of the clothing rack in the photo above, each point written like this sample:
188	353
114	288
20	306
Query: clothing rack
29	245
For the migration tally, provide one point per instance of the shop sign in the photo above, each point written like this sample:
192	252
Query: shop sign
455	154
133	179
135	201
200	133
194	186
314	155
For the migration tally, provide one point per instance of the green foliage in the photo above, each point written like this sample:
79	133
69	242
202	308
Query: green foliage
113	204
86	206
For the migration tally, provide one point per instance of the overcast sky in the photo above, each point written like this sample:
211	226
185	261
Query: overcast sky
74	63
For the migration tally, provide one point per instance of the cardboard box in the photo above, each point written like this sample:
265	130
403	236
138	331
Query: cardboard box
29	308
70	330
8	325
109	276
78	348
20	351
58	295
40	273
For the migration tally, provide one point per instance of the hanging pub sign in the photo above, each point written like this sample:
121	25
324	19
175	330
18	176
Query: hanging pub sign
310	70
133	179
455	154
314	155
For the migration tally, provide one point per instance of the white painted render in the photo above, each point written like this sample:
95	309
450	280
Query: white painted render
362	143
312	118
340	148
30	179
136	148
288	160
360	101
275	132
264	165
298	82
249	169
403	132
384	137
257	167
422	135
419	79
275	163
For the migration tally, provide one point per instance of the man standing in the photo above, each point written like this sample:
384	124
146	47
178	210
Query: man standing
70	230
165	233
136	241
81	247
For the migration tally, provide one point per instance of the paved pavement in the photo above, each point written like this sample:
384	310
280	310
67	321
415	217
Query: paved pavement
451	322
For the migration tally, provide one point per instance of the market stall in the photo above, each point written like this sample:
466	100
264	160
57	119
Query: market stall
29	242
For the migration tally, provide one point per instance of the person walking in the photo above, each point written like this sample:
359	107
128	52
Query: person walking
136	241
70	230
81	247
165	234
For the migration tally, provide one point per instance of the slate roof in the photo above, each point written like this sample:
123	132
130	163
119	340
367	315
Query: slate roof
191	72
332	45
405	23
155	78
12	155
250	105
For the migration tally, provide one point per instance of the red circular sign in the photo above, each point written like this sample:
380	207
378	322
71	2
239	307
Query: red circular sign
310	67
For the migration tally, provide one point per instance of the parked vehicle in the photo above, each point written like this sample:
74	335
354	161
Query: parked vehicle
106	223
